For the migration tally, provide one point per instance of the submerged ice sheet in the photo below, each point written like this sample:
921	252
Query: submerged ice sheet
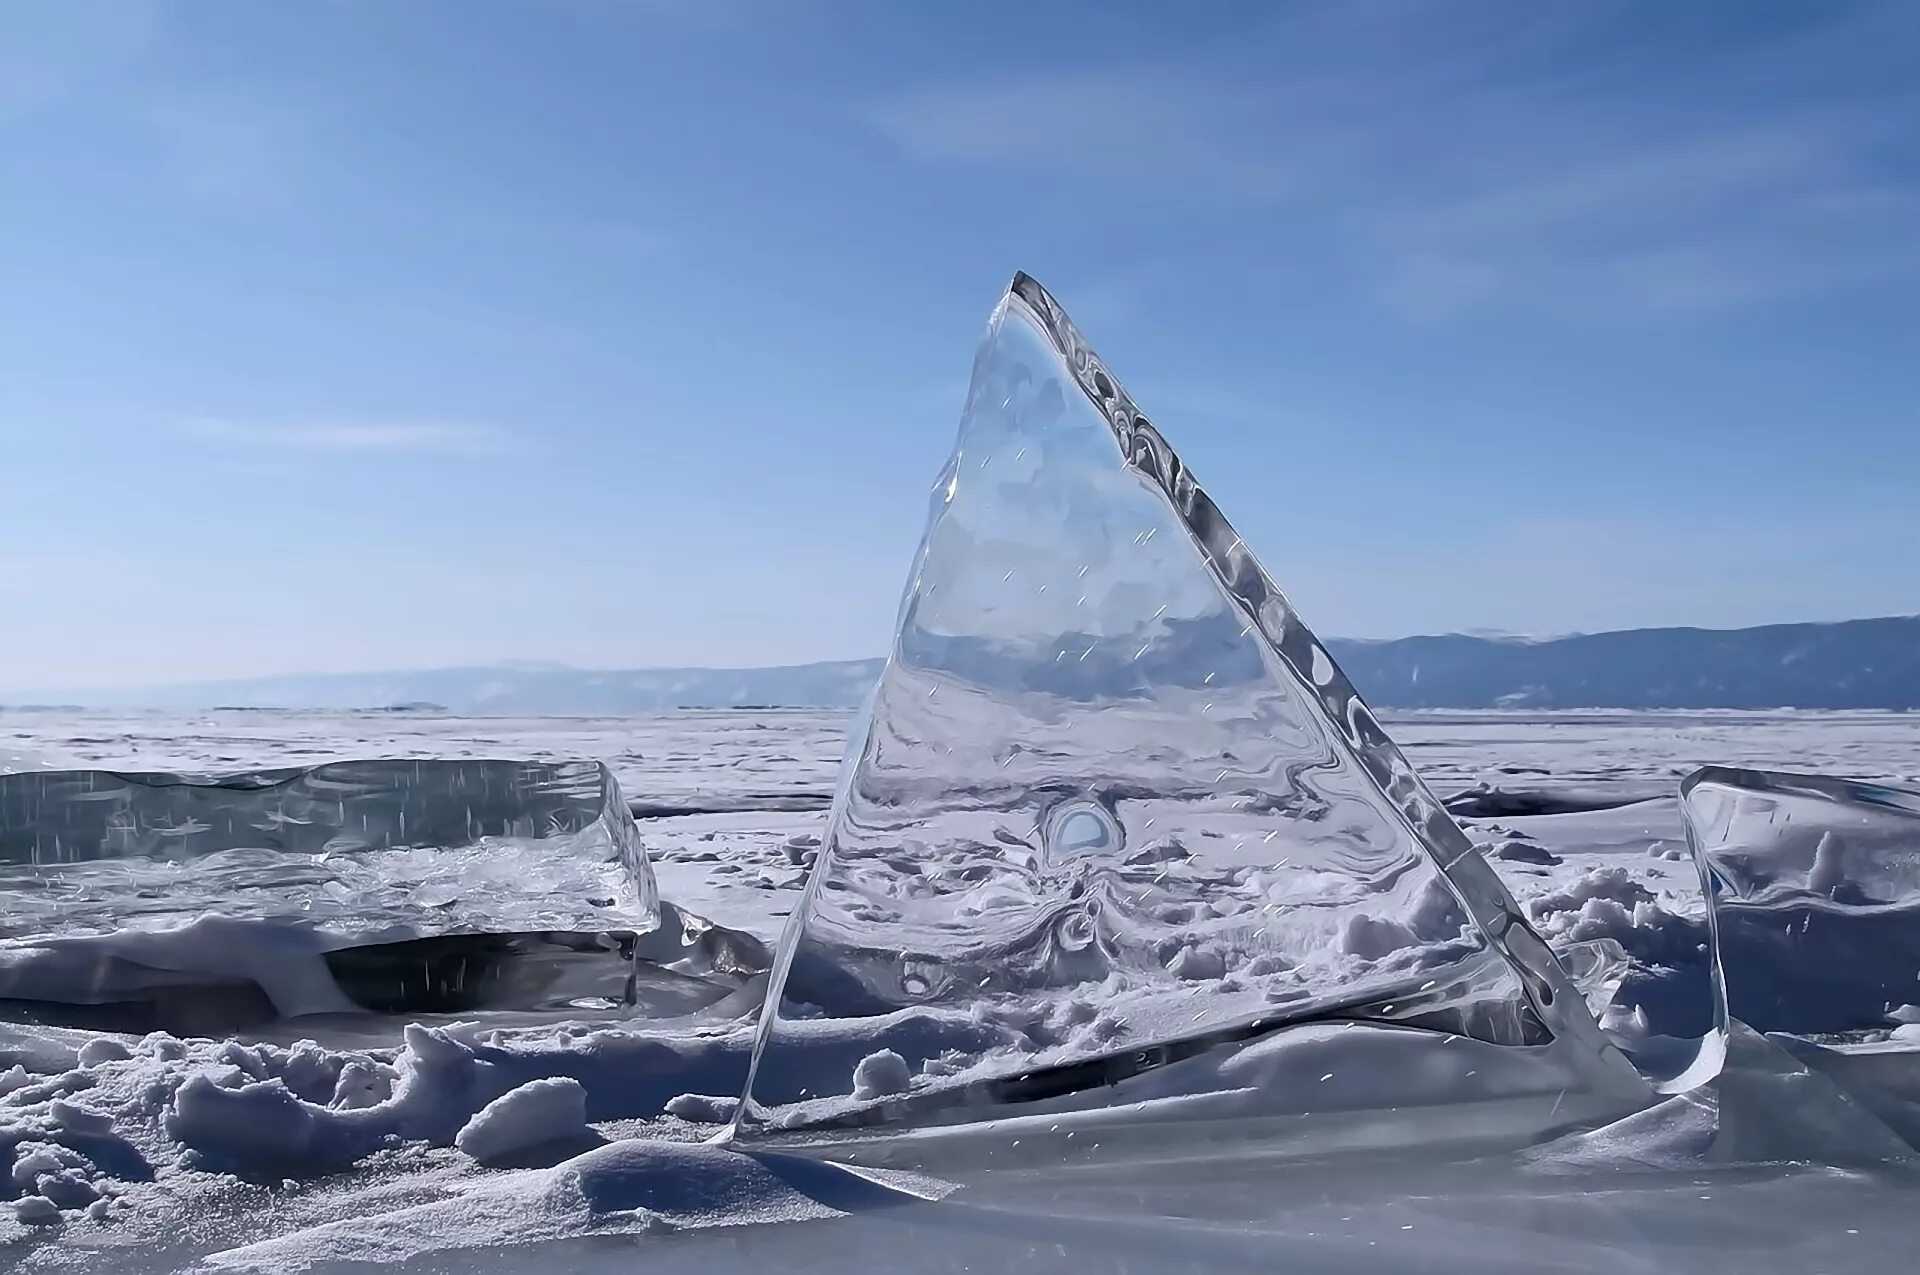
1815	889
429	886
1112	791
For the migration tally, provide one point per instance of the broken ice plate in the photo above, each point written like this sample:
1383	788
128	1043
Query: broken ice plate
210	903
1114	814
1814	884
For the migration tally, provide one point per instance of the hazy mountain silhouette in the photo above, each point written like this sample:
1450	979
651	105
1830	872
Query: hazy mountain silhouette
1849	664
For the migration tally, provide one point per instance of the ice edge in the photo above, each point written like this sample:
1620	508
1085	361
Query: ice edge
1312	667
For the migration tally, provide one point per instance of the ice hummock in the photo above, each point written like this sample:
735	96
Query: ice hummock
1111	792
212	902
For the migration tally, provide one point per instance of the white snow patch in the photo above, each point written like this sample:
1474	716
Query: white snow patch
701	1108
540	1113
880	1074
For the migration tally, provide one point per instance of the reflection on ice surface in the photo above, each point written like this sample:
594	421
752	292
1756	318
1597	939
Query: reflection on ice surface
1113	794
422	886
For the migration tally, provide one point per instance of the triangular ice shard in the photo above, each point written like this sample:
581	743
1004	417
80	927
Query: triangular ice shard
1113	807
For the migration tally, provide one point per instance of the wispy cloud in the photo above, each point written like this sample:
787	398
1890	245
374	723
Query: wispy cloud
462	438
49	53
1447	167
1108	123
231	145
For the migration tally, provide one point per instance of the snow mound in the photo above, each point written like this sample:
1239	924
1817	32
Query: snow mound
701	1108
880	1074
86	1118
628	1187
522	1123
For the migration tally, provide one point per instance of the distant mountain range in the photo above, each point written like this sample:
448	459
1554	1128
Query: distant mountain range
1851	664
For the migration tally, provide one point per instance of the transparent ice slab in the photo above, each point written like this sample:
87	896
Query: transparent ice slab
1814	884
1113	803
390	886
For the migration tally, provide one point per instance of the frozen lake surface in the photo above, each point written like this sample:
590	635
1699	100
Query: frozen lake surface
731	757
352	1158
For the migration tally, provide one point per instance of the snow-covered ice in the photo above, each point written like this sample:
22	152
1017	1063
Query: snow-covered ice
282	1176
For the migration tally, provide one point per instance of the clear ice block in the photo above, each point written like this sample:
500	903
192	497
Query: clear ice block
1113	802
387	886
1814	888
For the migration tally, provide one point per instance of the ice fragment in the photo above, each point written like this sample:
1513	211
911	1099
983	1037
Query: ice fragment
989	851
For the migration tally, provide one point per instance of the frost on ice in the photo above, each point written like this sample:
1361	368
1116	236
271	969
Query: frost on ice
160	901
1112	796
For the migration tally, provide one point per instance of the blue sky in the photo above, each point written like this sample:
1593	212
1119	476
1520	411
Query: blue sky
348	336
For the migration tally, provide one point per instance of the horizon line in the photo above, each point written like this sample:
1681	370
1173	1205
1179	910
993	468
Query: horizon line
538	665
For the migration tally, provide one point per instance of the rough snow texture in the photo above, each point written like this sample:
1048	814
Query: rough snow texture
164	1108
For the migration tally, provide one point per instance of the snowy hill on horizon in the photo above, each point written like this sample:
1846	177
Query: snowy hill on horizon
1856	664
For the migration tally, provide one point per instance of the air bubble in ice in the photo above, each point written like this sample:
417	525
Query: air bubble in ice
1082	828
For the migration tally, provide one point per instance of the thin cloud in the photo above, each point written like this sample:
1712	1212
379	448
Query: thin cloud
444	438
1452	168
50	54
